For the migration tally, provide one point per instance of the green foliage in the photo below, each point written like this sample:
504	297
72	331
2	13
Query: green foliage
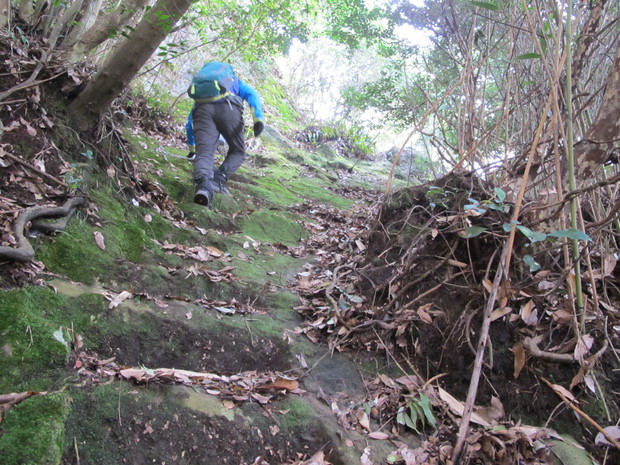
352	22
352	139
417	411
250	29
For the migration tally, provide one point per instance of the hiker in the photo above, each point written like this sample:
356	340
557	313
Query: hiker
218	111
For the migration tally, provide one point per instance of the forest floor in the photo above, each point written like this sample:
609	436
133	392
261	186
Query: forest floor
306	319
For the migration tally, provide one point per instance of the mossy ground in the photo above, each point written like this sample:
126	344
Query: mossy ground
119	422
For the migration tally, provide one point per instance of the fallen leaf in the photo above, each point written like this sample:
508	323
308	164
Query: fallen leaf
119	298
148	218
280	383
424	315
365	458
363	419
458	407
500	312
612	431
529	313
99	240
188	315
378	435
316	459
519	352
584	344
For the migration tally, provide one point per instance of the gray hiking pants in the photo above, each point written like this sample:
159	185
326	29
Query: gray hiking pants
210	120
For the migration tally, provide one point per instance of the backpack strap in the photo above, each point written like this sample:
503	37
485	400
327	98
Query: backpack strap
212	99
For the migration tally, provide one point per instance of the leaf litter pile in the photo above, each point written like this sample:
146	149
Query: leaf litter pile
413	283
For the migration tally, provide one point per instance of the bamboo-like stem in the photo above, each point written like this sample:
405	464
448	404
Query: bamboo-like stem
579	307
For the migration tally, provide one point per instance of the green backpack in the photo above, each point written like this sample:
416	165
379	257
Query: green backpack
212	81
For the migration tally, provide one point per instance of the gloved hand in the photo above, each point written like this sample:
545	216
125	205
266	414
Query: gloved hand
258	128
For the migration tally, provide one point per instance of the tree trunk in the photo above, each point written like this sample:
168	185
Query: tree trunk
88	18
104	27
5	11
587	39
597	145
126	61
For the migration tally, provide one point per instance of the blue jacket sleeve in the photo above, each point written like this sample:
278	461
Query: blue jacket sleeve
189	129
248	94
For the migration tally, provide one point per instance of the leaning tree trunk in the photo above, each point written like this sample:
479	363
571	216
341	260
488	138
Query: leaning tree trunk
126	61
598	143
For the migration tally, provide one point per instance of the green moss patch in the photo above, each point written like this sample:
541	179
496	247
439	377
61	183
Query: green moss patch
273	227
34	431
33	355
317	190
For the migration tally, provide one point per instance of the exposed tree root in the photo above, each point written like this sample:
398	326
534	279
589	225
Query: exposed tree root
24	252
531	344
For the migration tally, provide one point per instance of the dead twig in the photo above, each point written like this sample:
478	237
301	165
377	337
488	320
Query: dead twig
328	294
583	415
27	165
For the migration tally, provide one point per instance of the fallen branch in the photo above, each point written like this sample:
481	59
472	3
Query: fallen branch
583	415
49	177
249	386
9	400
24	252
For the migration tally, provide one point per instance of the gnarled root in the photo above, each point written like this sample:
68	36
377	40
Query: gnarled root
531	344
24	252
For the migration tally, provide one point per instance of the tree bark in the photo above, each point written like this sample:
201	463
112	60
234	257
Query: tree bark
597	145
103	27
587	38
5	11
126	61
88	17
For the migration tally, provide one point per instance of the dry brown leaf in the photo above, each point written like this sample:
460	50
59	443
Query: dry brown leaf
363	419
584	344
457	407
500	312
529	313
520	357
565	392
316	459
378	435
280	383
457	263
424	315
99	240
488	285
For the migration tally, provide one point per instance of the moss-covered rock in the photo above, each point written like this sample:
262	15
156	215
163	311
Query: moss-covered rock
35	348
33	431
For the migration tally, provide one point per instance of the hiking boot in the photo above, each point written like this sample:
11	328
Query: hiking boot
204	195
219	183
191	156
